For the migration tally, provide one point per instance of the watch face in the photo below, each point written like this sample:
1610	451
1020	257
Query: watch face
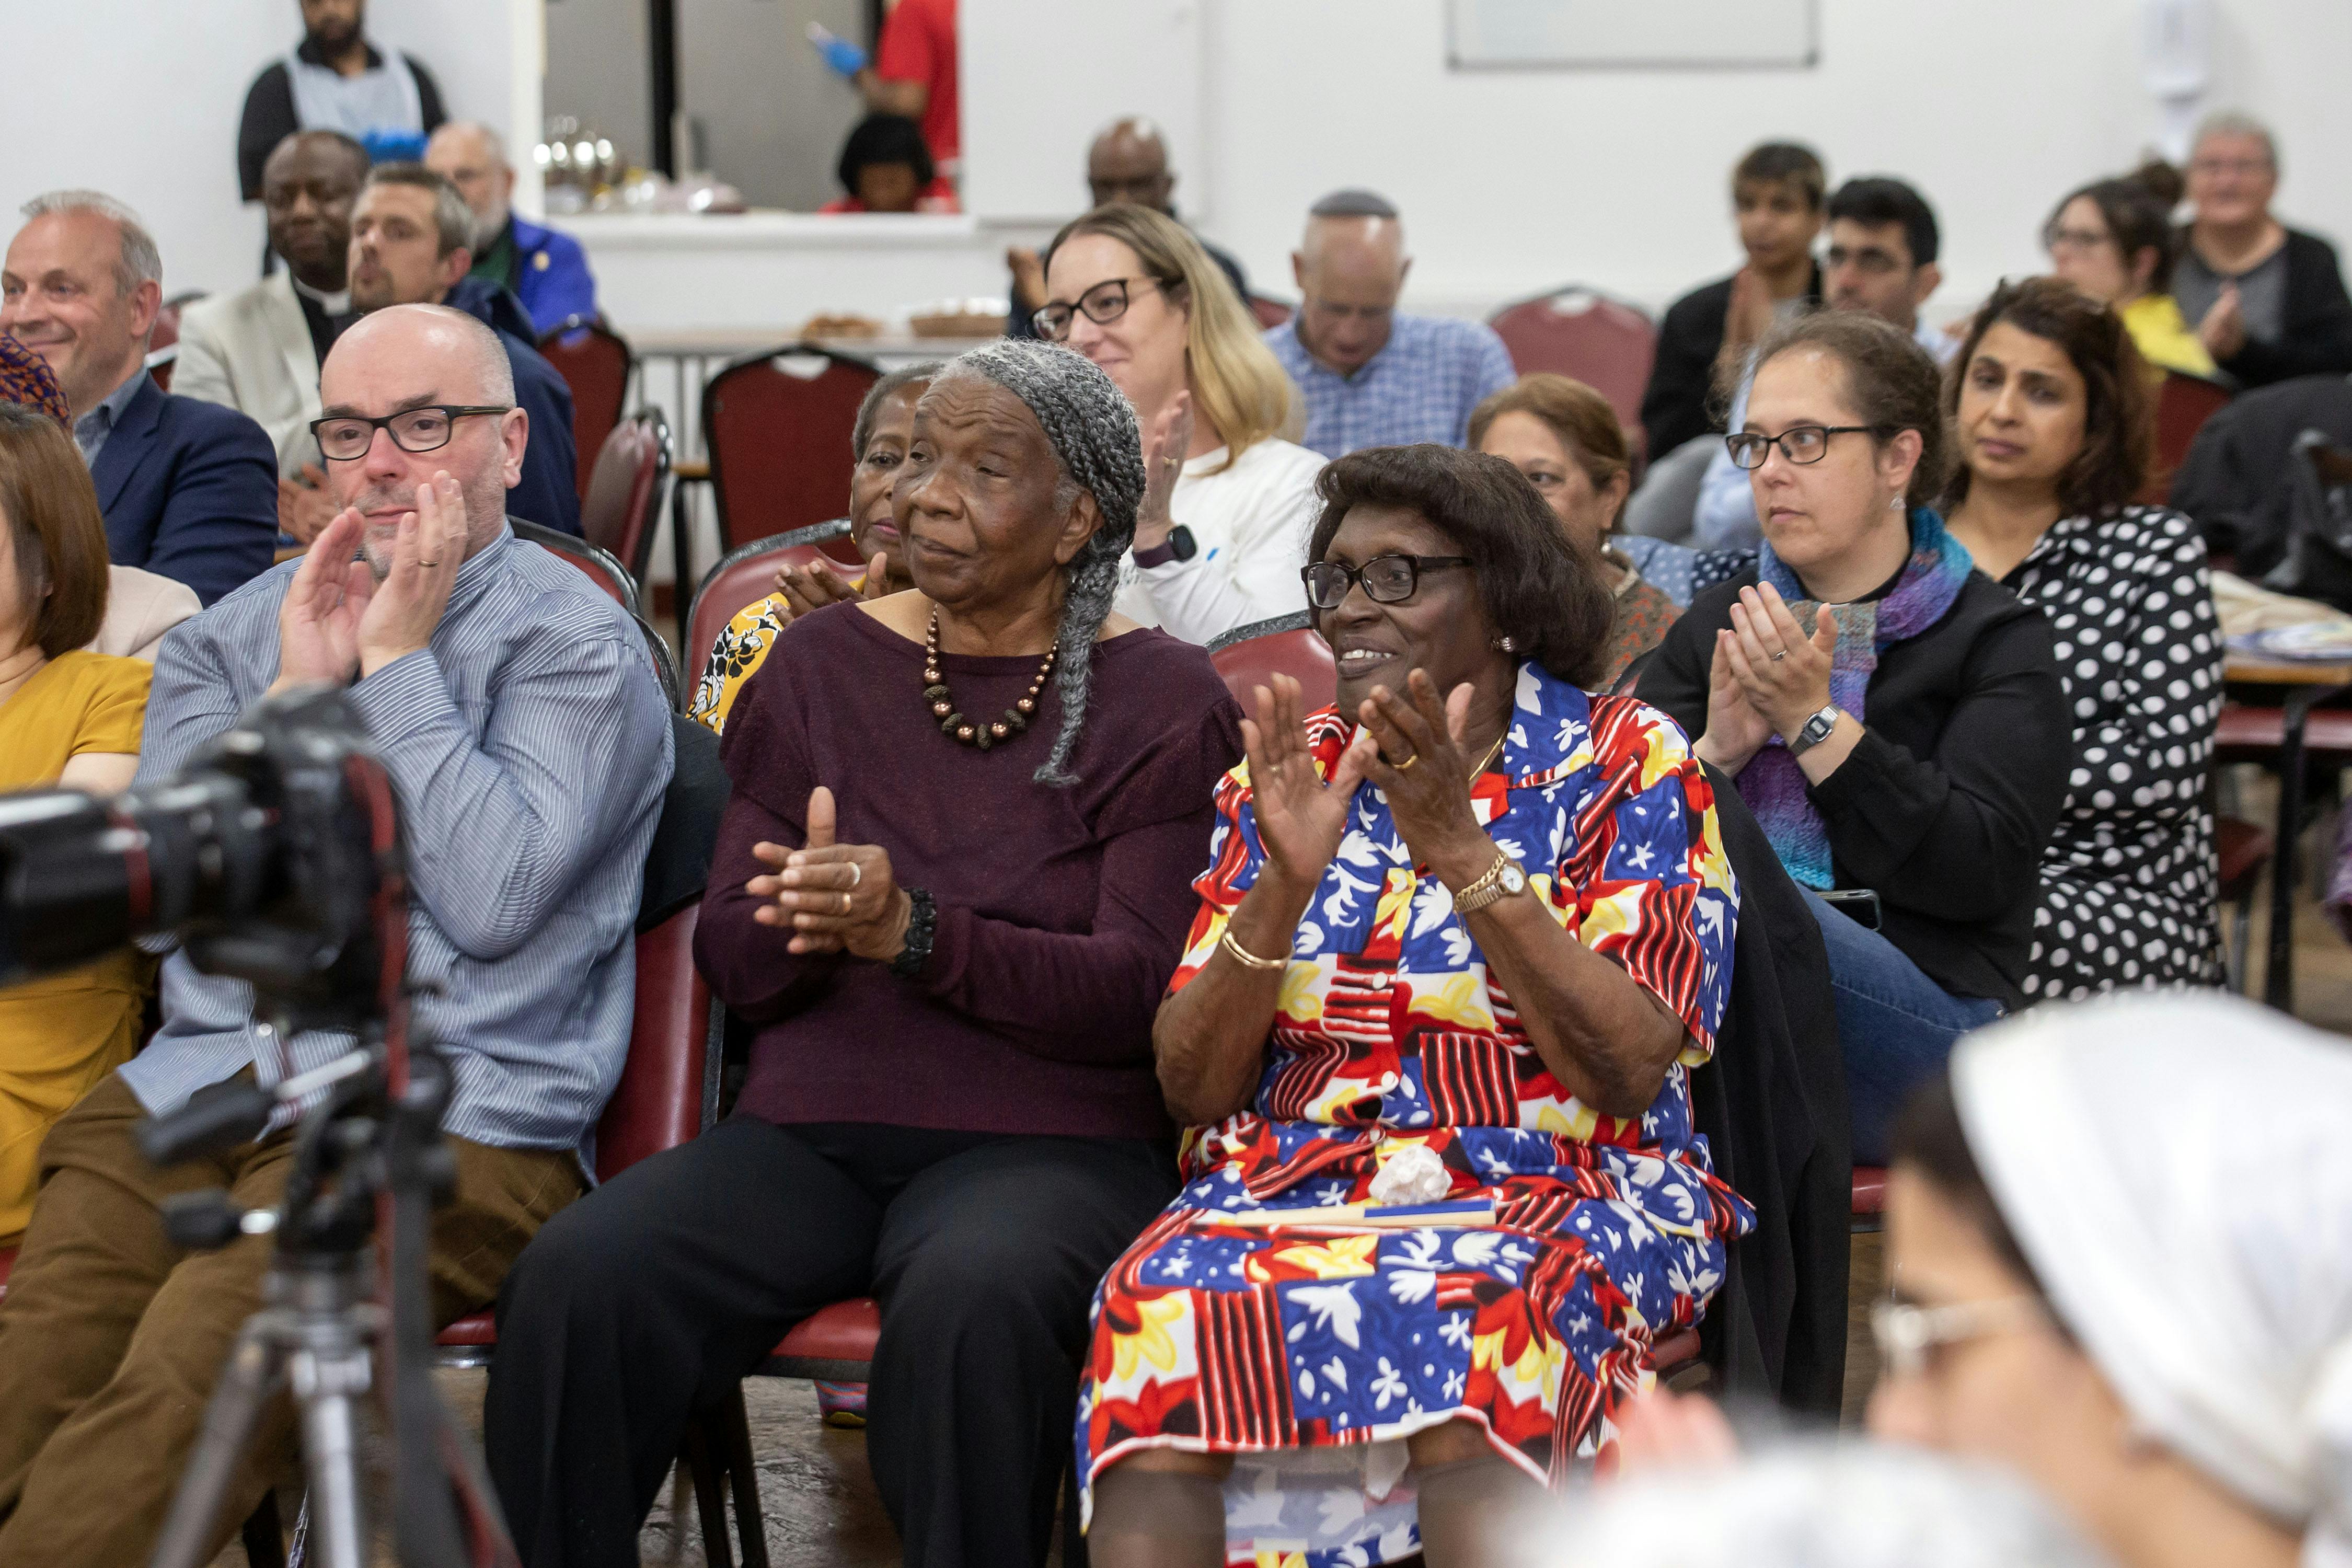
1514	880
1180	542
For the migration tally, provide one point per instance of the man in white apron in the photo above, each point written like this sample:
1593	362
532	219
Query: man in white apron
336	80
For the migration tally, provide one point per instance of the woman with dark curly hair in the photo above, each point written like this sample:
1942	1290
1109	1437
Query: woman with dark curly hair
1461	938
2051	405
885	167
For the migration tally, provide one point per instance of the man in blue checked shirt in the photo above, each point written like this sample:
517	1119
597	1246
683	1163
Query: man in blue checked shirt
1372	377
529	746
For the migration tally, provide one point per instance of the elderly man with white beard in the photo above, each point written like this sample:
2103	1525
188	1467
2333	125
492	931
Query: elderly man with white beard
519	718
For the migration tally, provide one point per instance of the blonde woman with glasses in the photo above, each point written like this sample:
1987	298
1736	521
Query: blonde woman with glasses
1222	533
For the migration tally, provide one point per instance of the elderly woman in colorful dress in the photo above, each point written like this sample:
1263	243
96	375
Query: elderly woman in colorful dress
1461	939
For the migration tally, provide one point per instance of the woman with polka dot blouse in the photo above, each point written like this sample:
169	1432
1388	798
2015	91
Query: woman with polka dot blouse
2051	406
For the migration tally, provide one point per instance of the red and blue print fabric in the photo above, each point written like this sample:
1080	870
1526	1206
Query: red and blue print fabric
1607	1235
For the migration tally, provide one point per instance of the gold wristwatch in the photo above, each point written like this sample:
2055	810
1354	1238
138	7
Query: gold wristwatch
1501	880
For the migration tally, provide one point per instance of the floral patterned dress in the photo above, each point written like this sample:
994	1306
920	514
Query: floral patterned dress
1569	1242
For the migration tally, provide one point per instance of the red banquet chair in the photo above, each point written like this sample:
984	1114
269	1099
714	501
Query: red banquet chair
778	426
1605	343
747	575
1869	1198
621	500
596	363
2183	403
599	564
1270	313
1288	644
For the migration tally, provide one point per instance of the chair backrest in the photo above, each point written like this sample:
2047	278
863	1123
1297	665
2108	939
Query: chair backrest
596	363
664	665
164	344
602	570
668	1084
2183	403
1605	343
622	505
1270	313
1248	655
778	427
742	576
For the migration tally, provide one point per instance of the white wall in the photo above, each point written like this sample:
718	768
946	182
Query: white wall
140	99
1513	181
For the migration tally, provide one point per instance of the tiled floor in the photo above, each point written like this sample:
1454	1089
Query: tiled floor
818	1495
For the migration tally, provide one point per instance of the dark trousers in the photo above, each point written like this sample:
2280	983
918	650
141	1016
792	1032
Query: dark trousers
654	1296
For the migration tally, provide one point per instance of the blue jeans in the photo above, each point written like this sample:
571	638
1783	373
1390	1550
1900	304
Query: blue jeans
1895	1027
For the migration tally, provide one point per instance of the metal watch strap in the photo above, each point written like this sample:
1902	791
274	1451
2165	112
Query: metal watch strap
1488	888
1816	728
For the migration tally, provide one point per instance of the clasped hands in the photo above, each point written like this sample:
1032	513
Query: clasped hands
1413	750
833	897
1768	677
337	621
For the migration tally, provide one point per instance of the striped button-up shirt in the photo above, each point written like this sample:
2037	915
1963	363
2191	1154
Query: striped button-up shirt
528	747
1421	386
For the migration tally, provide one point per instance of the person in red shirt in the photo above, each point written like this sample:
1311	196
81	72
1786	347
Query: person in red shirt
914	74
885	167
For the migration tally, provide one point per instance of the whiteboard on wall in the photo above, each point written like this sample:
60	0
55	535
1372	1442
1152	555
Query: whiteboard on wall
1696	35
1041	76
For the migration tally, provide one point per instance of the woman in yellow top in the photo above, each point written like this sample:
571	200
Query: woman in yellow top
886	424
2114	240
67	717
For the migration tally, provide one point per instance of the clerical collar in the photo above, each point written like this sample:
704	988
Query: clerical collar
338	303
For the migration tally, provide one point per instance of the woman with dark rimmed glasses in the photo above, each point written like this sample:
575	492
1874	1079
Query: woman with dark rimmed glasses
1220	534
1461	939
1894	718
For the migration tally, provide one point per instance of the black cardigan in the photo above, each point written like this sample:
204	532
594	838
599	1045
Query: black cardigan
1682	377
1946	802
2315	335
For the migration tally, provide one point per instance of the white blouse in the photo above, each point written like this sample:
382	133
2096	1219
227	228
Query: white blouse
1251	523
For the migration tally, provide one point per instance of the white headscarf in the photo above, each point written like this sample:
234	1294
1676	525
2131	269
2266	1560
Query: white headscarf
2177	1169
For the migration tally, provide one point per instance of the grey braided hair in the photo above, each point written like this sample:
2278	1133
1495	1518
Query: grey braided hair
1099	445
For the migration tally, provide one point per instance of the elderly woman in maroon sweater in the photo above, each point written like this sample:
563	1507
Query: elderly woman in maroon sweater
949	889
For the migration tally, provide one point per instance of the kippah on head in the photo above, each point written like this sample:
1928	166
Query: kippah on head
1353	202
1095	433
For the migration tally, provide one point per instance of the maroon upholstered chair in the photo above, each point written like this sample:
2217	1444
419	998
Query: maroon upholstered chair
599	564
747	575
621	502
778	426
596	363
1270	313
2183	403
1247	655
1605	343
1869	1196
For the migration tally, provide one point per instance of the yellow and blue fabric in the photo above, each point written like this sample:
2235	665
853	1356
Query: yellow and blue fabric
1587	1237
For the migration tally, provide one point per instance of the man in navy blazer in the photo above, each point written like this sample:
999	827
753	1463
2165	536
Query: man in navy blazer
410	231
189	488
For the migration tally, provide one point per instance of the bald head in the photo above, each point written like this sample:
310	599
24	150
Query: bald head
470	156
1126	164
1349	267
407	358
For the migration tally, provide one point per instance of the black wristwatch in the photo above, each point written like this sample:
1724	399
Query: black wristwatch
1178	546
923	929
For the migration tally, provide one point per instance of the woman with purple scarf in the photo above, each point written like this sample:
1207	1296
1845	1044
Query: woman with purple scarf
1894	717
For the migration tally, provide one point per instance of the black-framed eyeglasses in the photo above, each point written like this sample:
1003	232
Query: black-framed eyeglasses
1799	443
1387	579
345	436
1103	303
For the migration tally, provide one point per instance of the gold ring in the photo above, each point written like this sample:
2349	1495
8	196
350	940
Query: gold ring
428	564
844	903
1408	762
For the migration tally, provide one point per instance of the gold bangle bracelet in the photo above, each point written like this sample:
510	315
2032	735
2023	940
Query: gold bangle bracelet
1247	959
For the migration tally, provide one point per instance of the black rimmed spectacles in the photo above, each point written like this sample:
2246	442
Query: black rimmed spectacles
345	436
1103	303
1387	579
1799	443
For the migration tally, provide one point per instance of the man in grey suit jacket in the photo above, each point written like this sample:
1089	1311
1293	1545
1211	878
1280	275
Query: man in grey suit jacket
258	350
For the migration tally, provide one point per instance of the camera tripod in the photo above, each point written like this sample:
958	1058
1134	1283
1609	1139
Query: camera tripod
366	1154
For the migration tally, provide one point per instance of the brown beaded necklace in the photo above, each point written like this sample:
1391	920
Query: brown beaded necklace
969	731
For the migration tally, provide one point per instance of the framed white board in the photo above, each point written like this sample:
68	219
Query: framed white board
1685	35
